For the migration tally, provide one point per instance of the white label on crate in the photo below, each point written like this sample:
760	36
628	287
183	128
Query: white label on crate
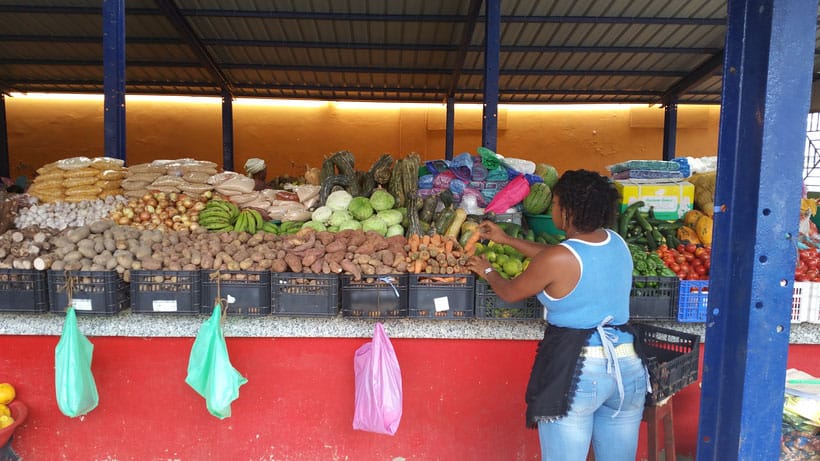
82	304
442	304
161	305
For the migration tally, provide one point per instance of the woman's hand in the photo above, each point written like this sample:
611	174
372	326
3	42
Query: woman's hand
478	264
490	231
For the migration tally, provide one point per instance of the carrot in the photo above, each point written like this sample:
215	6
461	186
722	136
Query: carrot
469	246
448	245
414	241
425	240
436	240
418	266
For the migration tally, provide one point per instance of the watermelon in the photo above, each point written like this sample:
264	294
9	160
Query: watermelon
548	173
538	200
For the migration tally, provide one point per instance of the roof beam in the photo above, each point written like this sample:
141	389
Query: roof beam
466	38
701	73
184	28
372	46
353	69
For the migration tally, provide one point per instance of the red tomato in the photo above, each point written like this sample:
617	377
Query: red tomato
675	267
689	257
700	251
690	248
700	270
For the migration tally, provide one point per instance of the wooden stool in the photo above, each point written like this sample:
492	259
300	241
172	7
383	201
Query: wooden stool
654	416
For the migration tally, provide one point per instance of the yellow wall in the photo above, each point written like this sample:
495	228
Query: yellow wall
289	137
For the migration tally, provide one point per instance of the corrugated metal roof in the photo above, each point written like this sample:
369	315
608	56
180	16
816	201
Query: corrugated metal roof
409	50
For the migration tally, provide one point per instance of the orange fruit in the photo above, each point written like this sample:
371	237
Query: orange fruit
4	410
7	393
6	421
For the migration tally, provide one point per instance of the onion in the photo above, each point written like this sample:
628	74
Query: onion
147	197
145	216
181	208
187	202
150	209
124	221
172	197
199	206
151	202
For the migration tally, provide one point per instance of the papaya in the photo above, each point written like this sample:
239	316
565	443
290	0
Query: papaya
691	218
686	233
704	229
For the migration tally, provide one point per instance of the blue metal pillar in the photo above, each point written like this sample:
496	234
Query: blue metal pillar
114	77
227	131
450	128
492	47
670	128
766	88
5	169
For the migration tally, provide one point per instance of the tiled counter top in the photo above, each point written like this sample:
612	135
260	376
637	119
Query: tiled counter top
170	325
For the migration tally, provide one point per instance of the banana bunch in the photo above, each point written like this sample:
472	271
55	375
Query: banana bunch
248	221
219	215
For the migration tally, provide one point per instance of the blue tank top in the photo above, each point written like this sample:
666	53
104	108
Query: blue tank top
602	290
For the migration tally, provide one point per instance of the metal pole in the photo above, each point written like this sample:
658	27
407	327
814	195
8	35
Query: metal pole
766	88
450	128
227	131
114	77
670	127
5	169
492	44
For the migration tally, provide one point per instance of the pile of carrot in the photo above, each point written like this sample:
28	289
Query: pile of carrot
435	254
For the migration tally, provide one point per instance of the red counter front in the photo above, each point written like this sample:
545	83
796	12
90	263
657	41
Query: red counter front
463	400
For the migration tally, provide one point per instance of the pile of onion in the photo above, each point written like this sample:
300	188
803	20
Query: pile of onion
160	210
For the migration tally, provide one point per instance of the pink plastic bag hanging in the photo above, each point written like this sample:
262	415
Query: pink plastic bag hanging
378	386
511	195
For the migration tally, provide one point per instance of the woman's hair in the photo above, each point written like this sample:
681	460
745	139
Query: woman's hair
587	199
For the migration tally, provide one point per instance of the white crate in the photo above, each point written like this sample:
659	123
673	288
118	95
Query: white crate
813	314
805	300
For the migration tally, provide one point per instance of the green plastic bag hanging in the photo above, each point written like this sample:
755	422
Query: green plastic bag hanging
76	389
210	372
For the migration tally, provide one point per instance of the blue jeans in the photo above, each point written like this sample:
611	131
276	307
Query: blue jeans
590	417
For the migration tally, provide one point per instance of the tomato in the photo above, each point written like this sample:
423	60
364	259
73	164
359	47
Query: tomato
700	270
696	263
700	251
662	247
690	248
689	256
680	247
680	259
675	267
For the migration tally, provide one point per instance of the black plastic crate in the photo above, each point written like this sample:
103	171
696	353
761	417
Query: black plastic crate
23	291
489	306
673	362
250	289
382	296
315	295
92	292
449	297
175	292
654	298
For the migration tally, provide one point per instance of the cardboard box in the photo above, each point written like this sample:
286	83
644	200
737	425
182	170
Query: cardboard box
670	200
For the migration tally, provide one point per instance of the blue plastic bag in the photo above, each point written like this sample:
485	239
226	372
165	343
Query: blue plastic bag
378	386
210	372
73	380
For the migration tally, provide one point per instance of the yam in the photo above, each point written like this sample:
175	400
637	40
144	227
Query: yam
279	265
151	264
335	246
351	268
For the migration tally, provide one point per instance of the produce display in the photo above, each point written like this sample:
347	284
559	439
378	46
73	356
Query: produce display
169	176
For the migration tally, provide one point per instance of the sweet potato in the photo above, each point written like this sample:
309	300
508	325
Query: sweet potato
351	268
278	265
293	262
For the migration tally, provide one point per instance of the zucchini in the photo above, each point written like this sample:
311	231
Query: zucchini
455	225
626	217
444	219
428	209
413	218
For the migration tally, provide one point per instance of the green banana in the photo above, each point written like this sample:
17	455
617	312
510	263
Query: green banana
270	228
250	222
257	216
241	223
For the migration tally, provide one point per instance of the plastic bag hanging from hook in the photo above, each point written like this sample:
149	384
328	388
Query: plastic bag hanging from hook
378	394
74	382
210	372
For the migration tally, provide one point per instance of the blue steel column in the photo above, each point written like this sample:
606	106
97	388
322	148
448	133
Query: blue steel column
5	169
227	131
766	87
670	128
114	77
450	127
492	49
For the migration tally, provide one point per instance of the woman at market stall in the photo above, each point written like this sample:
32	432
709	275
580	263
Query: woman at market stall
587	382
256	169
